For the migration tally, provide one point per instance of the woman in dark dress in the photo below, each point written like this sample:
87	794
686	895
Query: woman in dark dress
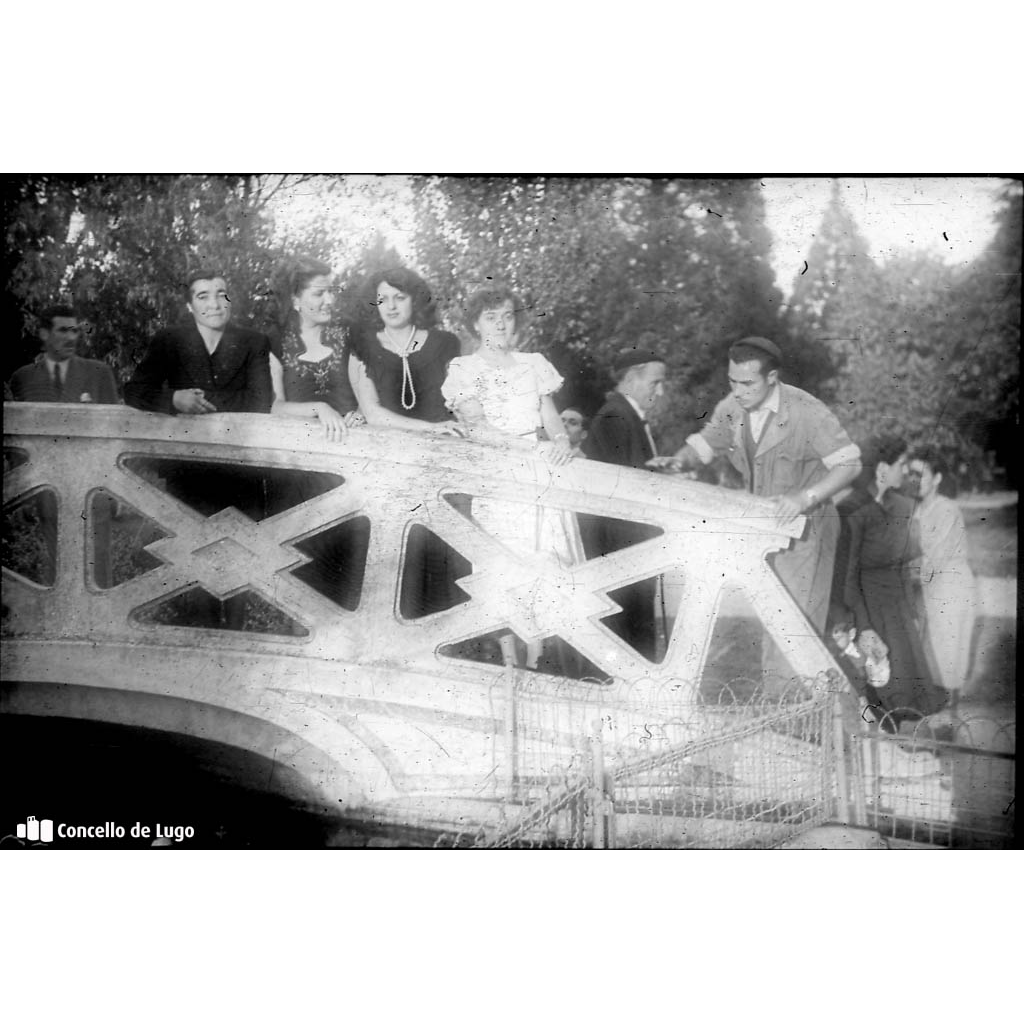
399	360
399	356
882	543
309	372
308	361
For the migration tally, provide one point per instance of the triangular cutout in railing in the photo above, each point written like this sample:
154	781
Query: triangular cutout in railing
338	563
30	537
743	662
13	458
211	487
642	623
119	535
430	567
197	608
552	656
603	535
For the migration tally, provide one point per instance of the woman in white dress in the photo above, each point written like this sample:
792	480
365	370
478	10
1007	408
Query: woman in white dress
499	394
948	595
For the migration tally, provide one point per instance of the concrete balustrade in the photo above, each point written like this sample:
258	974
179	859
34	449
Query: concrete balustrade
376	707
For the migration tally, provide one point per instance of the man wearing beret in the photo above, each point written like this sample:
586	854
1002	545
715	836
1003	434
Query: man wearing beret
619	434
788	447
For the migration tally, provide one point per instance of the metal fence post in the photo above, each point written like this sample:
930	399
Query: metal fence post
510	733
842	781
597	797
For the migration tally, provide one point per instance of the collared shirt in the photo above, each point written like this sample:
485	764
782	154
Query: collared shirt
643	419
758	419
759	416
62	369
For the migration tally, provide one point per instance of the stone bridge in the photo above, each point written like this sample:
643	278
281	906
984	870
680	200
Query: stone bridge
366	707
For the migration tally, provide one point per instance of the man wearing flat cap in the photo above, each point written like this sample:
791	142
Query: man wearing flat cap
788	447
619	434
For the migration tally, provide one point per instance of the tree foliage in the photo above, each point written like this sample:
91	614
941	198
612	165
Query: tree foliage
922	349
679	264
119	249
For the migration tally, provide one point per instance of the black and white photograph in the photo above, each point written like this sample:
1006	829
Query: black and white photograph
509	512
523	512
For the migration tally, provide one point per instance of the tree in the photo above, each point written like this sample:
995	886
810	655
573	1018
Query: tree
118	247
604	263
829	298
984	395
921	348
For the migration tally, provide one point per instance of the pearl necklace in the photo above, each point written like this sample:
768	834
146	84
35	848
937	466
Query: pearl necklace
406	372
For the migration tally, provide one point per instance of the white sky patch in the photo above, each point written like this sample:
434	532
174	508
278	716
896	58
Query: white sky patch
951	218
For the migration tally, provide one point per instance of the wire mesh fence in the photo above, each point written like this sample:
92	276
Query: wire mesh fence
948	782
630	765
635	766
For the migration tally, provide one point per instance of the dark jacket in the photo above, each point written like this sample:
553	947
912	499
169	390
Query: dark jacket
617	435
32	383
236	378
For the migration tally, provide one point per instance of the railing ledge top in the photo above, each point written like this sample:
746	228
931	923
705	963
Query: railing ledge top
291	435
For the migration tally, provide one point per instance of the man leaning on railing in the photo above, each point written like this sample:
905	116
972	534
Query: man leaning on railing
207	365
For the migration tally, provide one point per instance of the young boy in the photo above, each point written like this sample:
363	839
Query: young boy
866	664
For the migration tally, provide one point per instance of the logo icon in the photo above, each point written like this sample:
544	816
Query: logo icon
37	831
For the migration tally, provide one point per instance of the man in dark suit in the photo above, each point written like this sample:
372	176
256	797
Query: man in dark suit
206	365
59	374
619	434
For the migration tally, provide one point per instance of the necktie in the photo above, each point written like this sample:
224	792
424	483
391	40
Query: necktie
58	383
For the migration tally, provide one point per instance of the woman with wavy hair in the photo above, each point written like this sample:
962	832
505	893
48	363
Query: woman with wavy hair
309	373
503	397
399	355
308	362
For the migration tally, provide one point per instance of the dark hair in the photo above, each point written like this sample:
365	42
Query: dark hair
201	274
930	454
584	421
491	297
50	313
291	277
744	353
424	311
885	448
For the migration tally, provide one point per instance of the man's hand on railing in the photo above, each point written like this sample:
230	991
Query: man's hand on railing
192	402
672	466
558	452
788	506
